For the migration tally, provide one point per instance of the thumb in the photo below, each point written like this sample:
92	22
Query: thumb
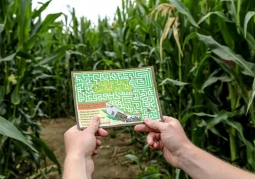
156	125
94	125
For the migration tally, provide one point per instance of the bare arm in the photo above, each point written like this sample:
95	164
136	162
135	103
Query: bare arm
80	147
181	153
76	167
200	164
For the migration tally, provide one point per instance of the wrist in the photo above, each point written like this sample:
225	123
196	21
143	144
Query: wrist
75	157
78	155
83	165
187	154
81	159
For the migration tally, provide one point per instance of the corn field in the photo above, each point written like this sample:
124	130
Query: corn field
202	51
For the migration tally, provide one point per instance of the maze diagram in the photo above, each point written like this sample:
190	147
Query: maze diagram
132	91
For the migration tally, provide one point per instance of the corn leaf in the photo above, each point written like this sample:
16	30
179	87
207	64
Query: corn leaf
48	21
188	38
226	33
26	56
8	58
38	12
133	158
151	176
229	70
1	28
201	114
58	54
251	41
248	16
216	132
184	10
70	52
185	118
204	114
252	96
15	96
24	25
190	108
213	80
42	147
249	147
180	174
197	80
174	82
44	88
9	130
220	14
220	117
2	93
227	54
110	54
232	10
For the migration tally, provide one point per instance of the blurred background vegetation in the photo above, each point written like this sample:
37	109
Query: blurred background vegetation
203	53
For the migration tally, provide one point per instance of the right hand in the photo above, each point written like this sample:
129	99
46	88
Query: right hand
168	136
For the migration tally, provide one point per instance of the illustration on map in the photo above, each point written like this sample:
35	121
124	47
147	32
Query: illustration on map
117	97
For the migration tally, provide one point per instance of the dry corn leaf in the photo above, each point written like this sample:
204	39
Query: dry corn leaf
164	12
168	25
156	16
176	35
163	8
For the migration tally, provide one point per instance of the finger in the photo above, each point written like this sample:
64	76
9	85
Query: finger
93	125
74	128
98	142
95	152
155	125
71	130
101	132
143	128
156	145
157	136
168	119
150	138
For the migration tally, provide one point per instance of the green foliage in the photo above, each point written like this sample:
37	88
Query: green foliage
209	88
112	133
23	59
9	130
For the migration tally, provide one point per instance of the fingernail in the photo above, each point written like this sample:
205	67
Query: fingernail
95	118
146	120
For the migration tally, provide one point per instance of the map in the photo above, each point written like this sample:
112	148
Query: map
118	97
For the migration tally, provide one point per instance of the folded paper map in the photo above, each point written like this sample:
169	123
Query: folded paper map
118	97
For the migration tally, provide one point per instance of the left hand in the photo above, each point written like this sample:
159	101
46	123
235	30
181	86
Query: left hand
82	145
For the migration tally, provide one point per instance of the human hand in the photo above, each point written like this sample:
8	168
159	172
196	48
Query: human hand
80	145
168	136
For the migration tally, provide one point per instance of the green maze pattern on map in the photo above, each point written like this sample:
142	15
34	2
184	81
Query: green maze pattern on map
141	100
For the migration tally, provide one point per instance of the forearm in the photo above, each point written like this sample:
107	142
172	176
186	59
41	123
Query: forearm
199	165
76	167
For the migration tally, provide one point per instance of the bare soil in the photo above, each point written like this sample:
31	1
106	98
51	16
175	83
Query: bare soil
111	161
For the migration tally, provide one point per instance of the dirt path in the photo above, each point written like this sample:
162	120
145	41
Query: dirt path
110	163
